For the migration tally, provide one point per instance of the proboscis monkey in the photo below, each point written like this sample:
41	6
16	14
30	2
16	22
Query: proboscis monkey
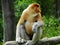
28	23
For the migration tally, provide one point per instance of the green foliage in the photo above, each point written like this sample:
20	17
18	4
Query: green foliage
1	43
51	26
47	6
19	6
1	21
1	30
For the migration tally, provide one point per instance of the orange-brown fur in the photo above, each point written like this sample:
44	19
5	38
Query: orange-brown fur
31	14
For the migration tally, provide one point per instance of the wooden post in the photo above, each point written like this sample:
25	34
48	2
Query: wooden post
56	11
8	20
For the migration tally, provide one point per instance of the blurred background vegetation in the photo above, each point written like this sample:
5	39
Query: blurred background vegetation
50	12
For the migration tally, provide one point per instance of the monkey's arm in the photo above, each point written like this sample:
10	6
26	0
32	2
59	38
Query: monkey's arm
18	34
36	28
21	20
40	20
37	34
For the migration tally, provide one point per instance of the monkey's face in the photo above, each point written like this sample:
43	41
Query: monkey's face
35	8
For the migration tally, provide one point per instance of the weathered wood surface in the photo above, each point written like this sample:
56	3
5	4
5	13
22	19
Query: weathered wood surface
44	41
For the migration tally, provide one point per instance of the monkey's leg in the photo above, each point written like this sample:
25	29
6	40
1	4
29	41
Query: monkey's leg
37	34
21	36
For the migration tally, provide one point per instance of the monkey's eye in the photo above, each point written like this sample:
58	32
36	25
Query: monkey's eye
35	20
24	20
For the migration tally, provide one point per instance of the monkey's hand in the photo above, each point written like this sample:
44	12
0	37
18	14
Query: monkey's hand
21	41
30	42
36	26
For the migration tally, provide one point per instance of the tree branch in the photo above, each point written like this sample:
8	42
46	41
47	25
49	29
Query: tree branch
44	41
52	40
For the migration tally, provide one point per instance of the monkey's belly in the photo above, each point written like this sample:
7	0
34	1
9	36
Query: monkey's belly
28	27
